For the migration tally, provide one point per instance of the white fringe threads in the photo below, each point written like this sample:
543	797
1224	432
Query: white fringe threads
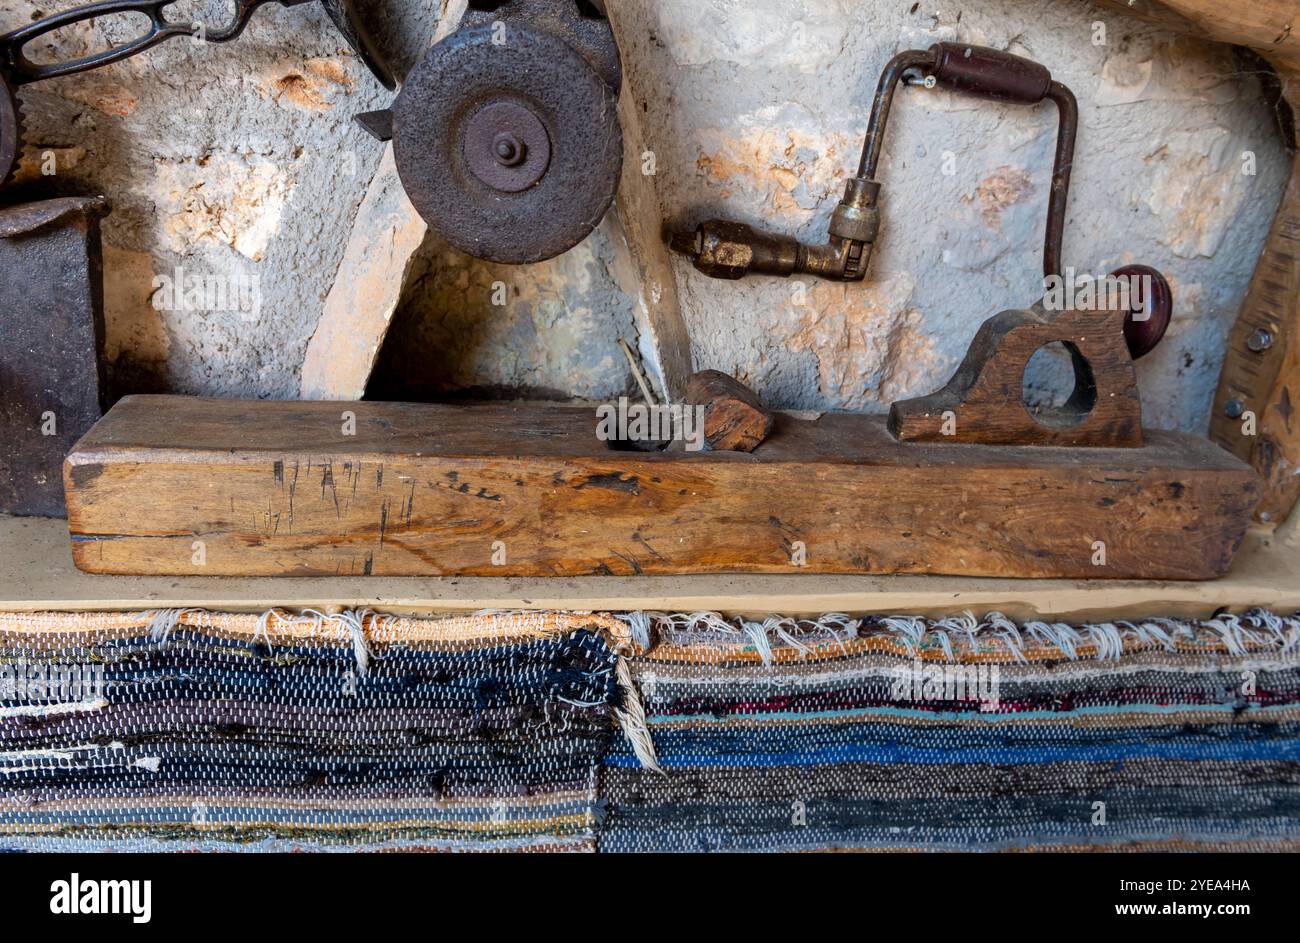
631	717
349	625
964	635
957	636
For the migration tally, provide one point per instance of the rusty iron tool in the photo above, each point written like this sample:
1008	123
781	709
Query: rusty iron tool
17	69
732	250
51	363
506	136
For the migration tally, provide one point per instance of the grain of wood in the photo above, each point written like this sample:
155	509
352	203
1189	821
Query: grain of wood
1265	25
667	343
179	486
734	419
42	578
983	403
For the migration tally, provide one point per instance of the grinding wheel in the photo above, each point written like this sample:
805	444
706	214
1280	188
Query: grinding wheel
11	131
512	152
359	37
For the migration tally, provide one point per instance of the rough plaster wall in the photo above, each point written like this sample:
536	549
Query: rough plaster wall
757	112
244	160
236	161
546	331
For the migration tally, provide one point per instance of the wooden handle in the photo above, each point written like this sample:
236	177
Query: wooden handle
990	73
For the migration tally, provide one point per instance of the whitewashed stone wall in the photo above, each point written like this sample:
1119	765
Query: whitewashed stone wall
244	159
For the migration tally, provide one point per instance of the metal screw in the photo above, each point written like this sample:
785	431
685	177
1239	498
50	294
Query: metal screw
509	150
1234	408
931	81
1261	340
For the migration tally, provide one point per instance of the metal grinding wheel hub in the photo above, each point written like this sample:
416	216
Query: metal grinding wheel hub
506	136
507	147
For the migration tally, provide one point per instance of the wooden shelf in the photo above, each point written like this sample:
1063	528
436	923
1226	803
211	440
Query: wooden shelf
36	574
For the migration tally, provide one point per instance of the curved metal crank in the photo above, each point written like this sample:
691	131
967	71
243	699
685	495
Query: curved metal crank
731	250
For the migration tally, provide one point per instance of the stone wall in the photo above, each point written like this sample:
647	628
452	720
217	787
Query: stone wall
244	159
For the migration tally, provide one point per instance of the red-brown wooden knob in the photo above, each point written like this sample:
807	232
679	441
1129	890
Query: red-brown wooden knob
1153	308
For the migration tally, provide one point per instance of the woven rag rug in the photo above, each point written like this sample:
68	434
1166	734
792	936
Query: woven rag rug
187	730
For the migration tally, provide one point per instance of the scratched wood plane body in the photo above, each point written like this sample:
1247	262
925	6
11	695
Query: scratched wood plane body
277	489
984	398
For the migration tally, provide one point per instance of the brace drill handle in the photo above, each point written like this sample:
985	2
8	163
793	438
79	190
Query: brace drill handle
998	76
22	71
723	249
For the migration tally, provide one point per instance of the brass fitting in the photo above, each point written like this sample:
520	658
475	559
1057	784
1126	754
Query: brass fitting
724	249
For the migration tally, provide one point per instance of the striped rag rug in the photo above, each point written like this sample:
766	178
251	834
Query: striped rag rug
899	734
189	731
183	730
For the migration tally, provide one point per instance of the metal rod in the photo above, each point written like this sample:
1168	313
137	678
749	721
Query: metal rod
889	79
1061	170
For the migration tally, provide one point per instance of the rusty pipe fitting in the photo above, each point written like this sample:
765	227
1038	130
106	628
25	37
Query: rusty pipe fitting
731	250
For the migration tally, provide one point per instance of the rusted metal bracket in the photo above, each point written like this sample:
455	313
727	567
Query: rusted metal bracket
51	364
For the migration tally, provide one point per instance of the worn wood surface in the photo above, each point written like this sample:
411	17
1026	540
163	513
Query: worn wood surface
361	303
984	402
180	486
666	342
41	577
1259	390
1262	381
1265	25
360	306
734	419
